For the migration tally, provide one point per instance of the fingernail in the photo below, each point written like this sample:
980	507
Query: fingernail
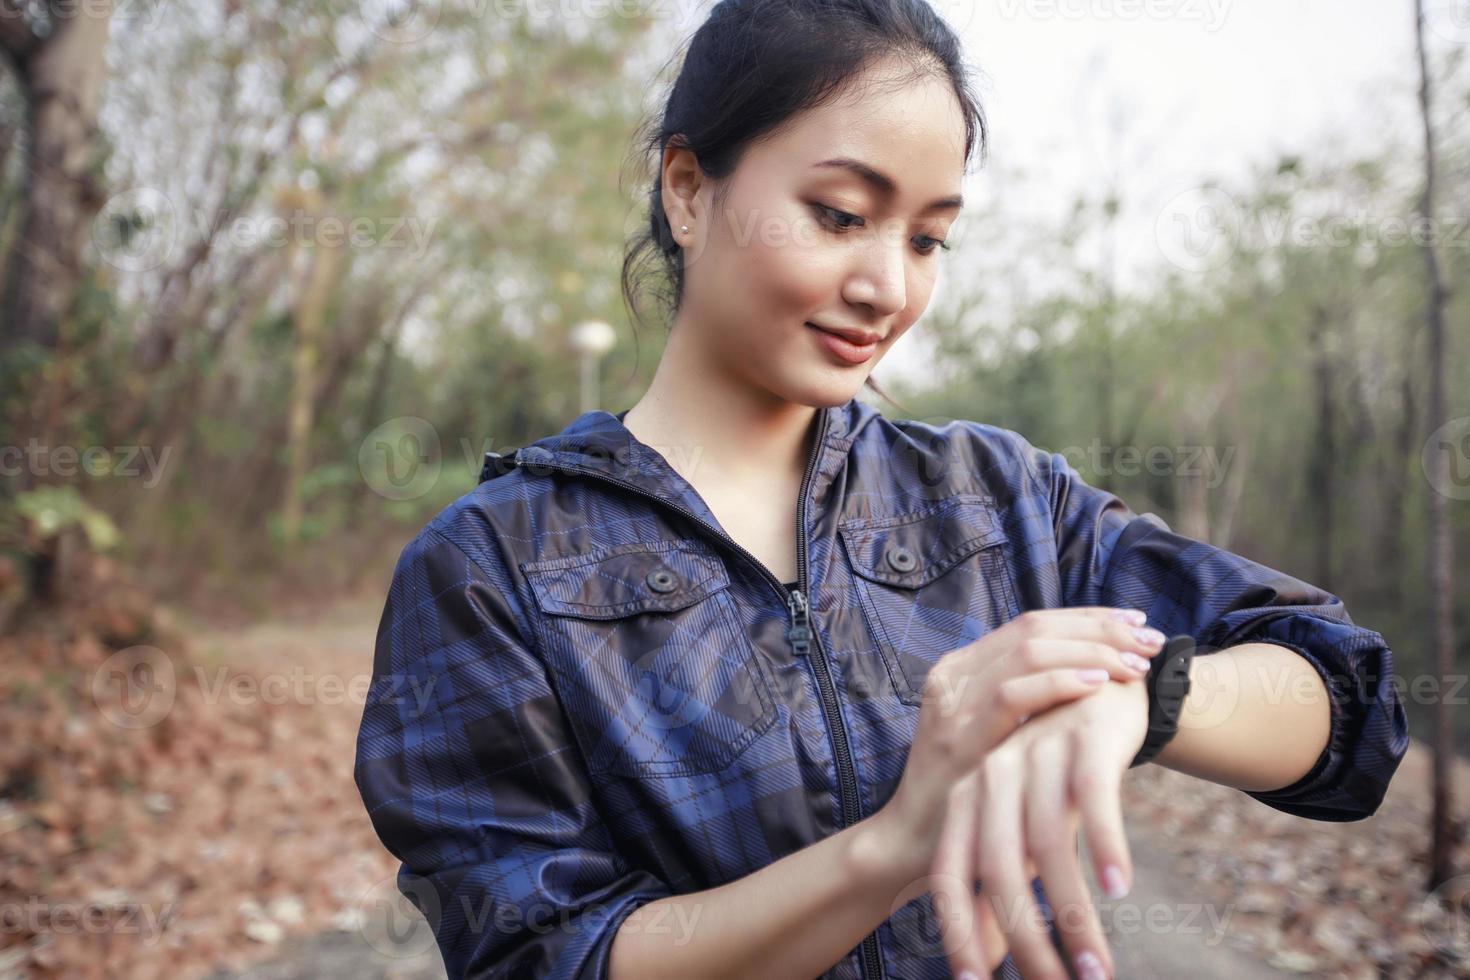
968	975
1113	883
1092	675
1135	661
1089	967
1149	636
1136	617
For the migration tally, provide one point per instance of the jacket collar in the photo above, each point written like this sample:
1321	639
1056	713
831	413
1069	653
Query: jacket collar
597	443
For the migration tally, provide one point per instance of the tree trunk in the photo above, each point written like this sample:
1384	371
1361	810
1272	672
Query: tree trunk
1441	859
1402	457
309	319
61	77
1324	454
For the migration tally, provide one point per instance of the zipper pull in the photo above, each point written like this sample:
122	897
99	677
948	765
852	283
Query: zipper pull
800	633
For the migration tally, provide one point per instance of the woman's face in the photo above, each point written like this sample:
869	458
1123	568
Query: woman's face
833	222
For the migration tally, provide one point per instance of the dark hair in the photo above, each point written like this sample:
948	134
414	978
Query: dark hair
752	66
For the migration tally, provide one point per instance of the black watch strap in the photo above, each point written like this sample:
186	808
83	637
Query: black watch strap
1168	686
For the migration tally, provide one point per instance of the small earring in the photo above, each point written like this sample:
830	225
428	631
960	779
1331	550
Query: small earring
684	229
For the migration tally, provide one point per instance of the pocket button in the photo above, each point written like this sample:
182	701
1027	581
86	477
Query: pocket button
662	580
901	559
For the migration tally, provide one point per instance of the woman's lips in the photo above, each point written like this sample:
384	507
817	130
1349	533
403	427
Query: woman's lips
841	348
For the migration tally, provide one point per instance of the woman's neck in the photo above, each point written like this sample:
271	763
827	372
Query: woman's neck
712	428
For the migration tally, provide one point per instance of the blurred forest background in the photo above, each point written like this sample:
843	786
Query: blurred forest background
275	275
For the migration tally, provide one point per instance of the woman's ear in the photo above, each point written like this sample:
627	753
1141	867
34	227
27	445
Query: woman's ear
681	183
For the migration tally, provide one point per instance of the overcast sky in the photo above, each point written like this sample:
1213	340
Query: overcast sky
1177	91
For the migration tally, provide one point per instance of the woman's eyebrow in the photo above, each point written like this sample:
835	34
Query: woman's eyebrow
884	184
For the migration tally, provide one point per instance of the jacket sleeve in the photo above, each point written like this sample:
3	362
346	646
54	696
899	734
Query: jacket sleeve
1108	555
472	781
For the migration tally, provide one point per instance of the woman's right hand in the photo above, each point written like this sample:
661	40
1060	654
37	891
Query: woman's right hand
977	695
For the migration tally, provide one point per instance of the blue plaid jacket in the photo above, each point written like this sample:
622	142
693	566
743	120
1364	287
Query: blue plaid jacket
587	696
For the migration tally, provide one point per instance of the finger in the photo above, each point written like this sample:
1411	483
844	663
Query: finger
990	930
954	882
1122	614
1051	654
1059	624
1008	890
1052	837
996	944
1029	694
1097	788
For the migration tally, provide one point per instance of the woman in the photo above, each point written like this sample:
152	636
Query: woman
749	680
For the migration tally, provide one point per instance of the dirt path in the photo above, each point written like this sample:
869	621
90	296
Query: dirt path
1164	930
1158	933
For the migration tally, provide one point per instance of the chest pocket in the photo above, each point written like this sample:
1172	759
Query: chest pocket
653	666
930	580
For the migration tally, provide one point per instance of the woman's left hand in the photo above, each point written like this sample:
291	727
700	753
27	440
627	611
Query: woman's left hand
1020	811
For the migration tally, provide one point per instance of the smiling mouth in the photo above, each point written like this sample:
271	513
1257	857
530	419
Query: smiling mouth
847	336
843	350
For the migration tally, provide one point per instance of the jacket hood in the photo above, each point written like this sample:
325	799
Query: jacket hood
599	441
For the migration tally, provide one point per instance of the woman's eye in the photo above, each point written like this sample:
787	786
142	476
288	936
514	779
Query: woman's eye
842	221
926	244
838	219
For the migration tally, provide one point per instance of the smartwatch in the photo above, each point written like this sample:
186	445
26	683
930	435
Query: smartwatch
1168	686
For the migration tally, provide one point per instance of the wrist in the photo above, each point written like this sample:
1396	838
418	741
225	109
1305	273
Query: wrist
883	850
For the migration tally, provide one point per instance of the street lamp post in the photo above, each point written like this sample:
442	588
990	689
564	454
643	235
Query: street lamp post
591	339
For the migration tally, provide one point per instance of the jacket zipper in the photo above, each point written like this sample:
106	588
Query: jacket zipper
800	635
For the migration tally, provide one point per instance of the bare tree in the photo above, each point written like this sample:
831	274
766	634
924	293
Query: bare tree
1444	831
